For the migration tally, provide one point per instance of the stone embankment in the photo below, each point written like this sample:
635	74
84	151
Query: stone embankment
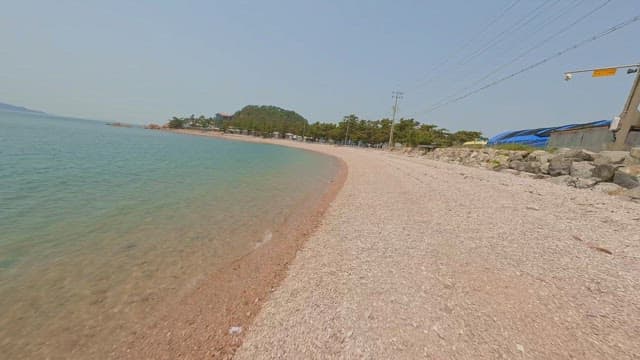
612	172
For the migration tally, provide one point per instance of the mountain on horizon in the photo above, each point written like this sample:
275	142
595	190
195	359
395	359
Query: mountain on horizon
9	107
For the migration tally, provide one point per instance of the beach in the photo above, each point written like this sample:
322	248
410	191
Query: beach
421	259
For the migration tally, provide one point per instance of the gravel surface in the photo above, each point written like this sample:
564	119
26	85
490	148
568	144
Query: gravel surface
422	259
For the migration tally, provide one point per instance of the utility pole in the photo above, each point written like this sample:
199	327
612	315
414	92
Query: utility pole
346	135
396	95
630	116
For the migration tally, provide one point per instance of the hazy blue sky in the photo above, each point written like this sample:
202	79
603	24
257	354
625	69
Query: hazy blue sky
144	61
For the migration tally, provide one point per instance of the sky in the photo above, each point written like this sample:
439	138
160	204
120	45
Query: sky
146	61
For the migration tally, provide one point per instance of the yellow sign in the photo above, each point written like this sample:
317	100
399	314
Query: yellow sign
604	72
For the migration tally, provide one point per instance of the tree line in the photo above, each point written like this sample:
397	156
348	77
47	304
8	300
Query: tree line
266	120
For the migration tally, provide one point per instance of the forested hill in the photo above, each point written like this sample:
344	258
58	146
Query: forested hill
267	119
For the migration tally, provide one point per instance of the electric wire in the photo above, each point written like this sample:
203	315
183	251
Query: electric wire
536	64
529	50
433	74
514	28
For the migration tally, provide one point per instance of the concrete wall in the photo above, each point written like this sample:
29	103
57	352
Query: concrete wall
594	139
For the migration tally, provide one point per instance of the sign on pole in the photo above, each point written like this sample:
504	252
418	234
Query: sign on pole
604	72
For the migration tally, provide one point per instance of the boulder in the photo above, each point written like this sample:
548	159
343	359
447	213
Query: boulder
510	171
604	172
528	175
517	165
610	157
609	188
499	162
632	193
544	168
627	176
576	154
582	183
532	167
559	165
562	180
540	156
581	169
517	155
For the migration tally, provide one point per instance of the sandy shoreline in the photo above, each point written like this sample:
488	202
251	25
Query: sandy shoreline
198	326
422	259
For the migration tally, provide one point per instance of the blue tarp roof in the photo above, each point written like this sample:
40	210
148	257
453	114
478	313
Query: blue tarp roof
539	137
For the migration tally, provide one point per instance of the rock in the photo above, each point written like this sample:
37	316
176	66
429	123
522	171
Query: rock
610	157
533	167
576	154
544	168
517	165
562	180
627	176
608	188
540	156
235	330
582	183
498	162
604	172
559	165
517	155
581	169
528	175
635	153
632	193
510	171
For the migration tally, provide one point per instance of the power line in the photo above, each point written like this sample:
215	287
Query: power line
550	20
524	21
536	64
529	50
465	45
505	34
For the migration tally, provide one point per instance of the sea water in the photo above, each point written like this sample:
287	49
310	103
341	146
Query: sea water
99	223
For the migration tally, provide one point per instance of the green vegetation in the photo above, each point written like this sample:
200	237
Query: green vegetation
176	123
259	119
406	131
265	120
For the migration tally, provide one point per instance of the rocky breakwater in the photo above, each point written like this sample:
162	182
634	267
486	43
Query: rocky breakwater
612	172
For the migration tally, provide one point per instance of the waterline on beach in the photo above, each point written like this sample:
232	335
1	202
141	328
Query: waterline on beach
102	224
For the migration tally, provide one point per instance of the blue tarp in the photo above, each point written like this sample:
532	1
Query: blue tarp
538	137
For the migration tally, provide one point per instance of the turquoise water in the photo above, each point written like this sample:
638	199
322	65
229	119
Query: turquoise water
99	223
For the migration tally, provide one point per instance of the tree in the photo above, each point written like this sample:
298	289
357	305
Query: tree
267	119
176	123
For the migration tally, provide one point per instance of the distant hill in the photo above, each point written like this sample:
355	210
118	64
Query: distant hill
9	107
268	119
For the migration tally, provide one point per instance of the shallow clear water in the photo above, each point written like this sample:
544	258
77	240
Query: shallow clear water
99	223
